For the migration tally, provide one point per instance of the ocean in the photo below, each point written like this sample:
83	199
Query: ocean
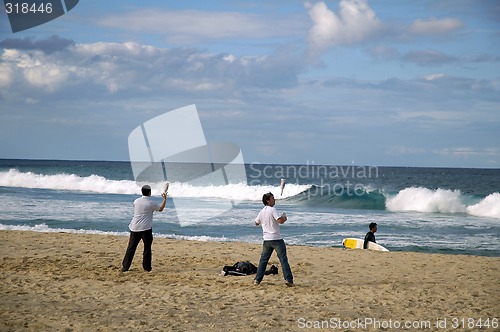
431	210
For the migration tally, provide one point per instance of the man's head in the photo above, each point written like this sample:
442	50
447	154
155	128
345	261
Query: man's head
373	227
146	190
268	199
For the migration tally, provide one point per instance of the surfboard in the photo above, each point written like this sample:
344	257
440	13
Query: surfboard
376	246
353	243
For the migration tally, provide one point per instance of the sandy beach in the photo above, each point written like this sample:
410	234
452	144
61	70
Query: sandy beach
72	282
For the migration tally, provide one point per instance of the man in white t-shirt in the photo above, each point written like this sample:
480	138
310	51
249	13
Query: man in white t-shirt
141	228
270	221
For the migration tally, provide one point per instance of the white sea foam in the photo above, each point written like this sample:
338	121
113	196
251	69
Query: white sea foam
99	184
92	183
426	200
488	207
442	201
43	228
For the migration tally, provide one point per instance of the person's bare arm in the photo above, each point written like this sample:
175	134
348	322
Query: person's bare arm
282	219
162	205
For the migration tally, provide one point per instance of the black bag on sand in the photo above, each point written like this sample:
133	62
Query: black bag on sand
240	269
245	269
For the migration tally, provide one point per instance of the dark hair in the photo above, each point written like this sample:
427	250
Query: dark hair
266	198
146	190
373	224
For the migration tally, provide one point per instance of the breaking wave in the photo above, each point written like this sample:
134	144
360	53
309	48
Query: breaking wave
417	199
420	199
99	184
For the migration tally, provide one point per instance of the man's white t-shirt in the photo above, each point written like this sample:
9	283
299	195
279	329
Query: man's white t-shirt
143	214
268	218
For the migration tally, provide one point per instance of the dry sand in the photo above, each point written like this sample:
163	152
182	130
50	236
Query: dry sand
70	282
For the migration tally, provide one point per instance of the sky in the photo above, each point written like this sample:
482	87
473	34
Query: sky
363	82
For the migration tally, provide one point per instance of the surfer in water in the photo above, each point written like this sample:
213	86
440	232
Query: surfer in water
370	236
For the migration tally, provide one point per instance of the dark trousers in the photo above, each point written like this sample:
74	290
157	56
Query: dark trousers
267	249
135	238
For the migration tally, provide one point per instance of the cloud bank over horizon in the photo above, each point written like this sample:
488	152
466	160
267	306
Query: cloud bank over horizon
334	85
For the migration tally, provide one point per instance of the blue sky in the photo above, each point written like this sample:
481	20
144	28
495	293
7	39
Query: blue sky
384	83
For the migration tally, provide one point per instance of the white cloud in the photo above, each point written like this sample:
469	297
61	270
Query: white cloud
356	22
136	69
433	77
435	26
188	26
34	68
6	75
468	152
47	76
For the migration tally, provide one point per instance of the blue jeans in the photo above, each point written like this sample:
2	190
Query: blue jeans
267	249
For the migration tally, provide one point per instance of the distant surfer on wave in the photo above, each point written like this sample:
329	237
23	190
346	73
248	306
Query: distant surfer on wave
370	236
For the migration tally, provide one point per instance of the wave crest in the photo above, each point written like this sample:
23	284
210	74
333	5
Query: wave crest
101	185
420	199
426	200
92	183
488	207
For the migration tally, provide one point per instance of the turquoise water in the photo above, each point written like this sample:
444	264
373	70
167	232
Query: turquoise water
417	209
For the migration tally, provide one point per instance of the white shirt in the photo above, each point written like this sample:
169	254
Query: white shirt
143	214
268	218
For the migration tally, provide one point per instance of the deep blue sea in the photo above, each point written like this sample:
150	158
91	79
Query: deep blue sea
433	210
